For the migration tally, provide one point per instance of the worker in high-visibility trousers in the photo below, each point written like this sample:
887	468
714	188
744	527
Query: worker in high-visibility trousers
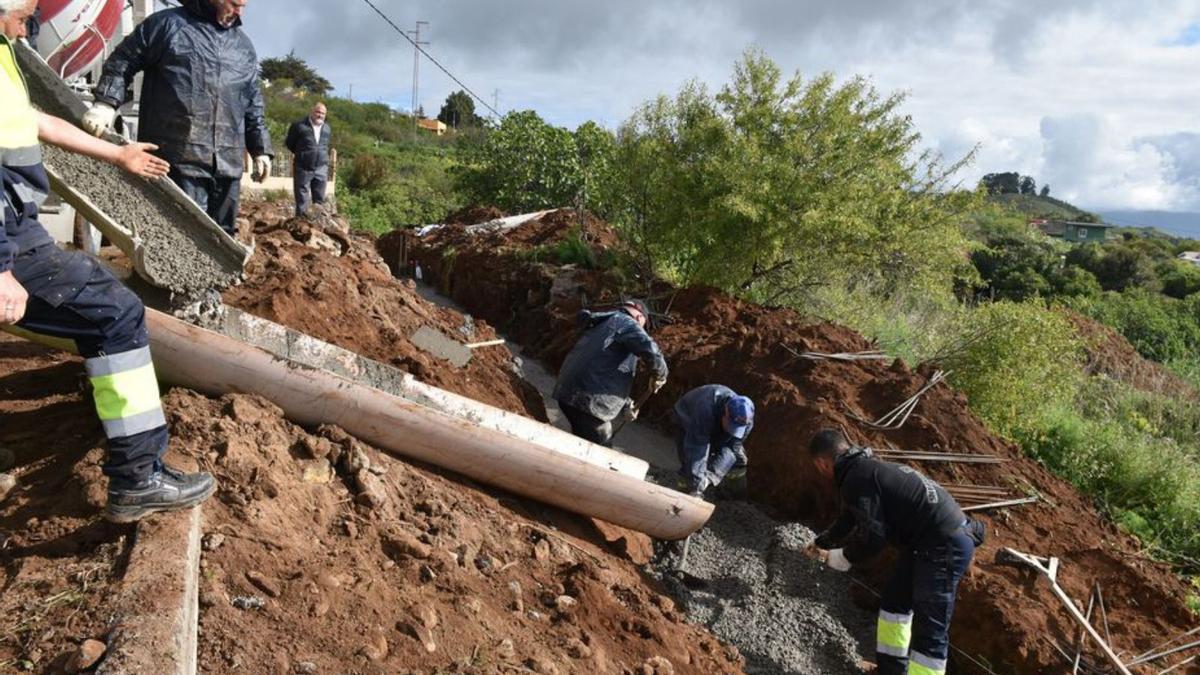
886	503
48	291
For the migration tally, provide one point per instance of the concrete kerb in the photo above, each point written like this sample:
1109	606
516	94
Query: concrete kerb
156	629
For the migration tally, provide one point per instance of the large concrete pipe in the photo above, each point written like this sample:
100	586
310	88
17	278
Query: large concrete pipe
214	364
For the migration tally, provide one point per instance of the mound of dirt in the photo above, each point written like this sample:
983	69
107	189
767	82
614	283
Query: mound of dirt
317	550
321	550
473	215
311	275
714	338
1109	353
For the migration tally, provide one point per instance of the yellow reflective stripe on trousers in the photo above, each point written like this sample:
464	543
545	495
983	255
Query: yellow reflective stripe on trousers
127	401
893	634
919	664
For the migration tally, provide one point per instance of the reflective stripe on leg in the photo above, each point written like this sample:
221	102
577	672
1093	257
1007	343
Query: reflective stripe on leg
893	633
919	664
126	392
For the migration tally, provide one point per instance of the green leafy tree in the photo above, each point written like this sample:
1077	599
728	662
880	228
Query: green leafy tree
293	68
1028	185
1179	279
773	186
526	164
459	111
1007	183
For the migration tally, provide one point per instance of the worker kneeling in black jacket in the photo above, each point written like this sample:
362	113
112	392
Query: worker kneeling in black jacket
886	503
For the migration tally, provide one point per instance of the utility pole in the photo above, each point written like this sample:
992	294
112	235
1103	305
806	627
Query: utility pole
496	101
417	44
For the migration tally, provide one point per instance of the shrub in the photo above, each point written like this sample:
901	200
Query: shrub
1013	359
368	172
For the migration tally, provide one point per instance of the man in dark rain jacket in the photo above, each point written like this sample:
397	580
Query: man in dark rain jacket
594	382
308	139
885	503
200	102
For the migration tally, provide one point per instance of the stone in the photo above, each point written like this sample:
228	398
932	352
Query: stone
427	574
318	471
506	650
514	590
263	584
565	603
315	447
212	541
576	649
371	490
377	649
657	665
401	545
7	485
249	602
87	655
542	665
541	551
427	615
356	460
305	668
419	633
320	608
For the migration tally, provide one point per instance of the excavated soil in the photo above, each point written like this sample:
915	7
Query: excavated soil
311	275
1002	617
378	566
58	561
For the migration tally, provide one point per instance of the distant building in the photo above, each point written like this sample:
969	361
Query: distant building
436	126
1071	231
1191	257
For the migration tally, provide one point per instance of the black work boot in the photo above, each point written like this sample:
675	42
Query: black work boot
165	490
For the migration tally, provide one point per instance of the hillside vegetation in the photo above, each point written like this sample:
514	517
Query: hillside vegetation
817	194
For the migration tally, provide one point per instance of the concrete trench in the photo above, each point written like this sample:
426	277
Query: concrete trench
747	579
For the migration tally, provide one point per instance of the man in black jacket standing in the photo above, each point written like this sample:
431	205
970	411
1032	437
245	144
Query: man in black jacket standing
200	103
308	139
885	503
596	377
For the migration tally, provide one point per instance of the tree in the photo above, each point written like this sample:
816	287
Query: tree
1045	191
526	164
774	186
1028	186
1008	183
459	111
293	68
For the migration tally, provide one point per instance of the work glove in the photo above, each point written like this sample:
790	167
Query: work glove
837	561
659	383
631	411
262	168
99	119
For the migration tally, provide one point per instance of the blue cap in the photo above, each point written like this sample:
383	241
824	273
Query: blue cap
739	415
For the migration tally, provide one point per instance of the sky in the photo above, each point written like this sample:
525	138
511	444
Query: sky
1098	99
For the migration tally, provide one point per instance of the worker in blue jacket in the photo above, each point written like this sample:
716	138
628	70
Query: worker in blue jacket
596	377
714	422
886	503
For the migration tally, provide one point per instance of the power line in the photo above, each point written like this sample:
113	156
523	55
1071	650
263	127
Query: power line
431	59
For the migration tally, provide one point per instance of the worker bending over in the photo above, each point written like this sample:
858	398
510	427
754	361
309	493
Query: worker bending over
68	295
886	503
714	422
596	377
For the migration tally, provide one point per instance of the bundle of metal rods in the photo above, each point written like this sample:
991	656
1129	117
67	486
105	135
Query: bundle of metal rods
920	456
896	417
983	497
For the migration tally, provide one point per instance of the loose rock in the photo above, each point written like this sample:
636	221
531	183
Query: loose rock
213	541
7	484
401	545
263	584
249	602
657	665
421	634
518	603
88	654
371	490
